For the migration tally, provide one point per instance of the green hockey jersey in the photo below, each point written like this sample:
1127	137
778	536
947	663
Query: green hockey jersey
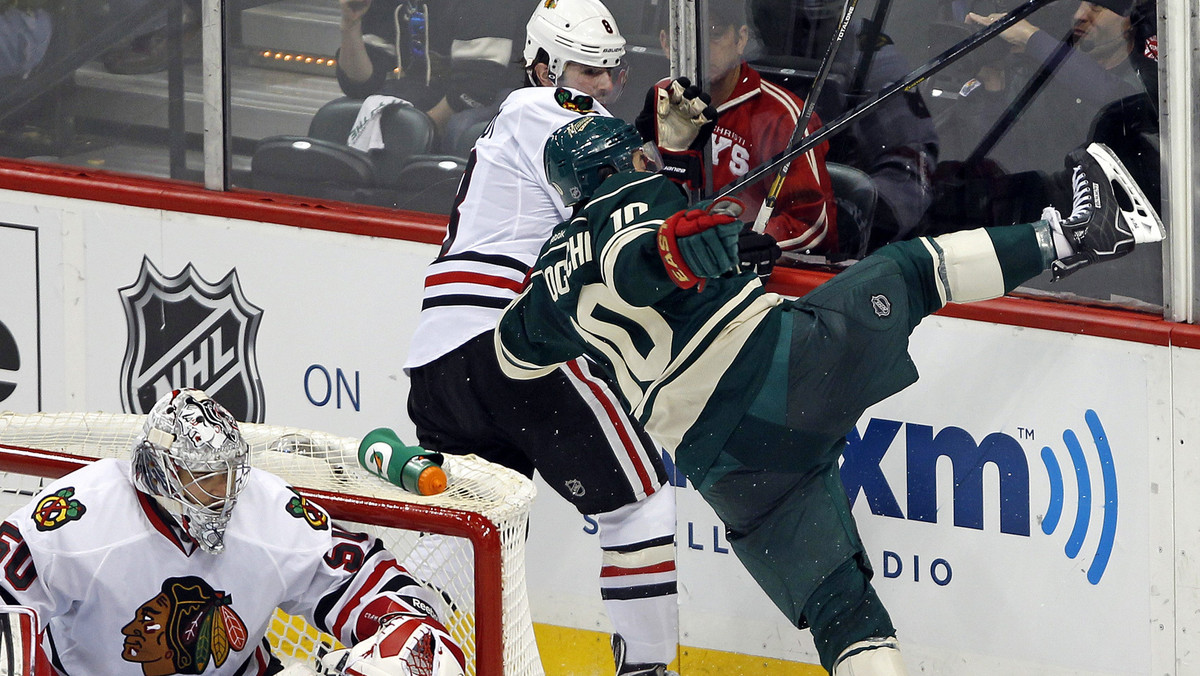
687	364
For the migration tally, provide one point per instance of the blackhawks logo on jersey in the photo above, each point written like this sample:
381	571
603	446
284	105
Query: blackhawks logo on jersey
301	508
577	103
58	509
184	628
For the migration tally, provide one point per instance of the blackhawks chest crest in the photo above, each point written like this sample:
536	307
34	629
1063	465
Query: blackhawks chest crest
184	628
184	331
58	509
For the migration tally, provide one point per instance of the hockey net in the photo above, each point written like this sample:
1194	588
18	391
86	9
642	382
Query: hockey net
467	543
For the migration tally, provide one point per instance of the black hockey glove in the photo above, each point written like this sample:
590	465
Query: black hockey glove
679	118
757	252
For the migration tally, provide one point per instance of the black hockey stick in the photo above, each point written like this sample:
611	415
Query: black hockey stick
806	113
914	78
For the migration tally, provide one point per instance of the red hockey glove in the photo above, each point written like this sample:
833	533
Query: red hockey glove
700	242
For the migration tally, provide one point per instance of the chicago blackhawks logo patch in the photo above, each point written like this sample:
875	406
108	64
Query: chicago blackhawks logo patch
578	103
184	628
301	508
58	509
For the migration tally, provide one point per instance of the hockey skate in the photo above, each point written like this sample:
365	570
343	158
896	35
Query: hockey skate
623	669
1109	214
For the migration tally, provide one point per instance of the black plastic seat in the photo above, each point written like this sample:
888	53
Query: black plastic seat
312	167
855	195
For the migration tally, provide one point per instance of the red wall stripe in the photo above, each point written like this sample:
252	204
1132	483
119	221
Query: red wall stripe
101	186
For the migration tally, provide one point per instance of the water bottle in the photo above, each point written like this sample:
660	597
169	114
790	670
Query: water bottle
411	467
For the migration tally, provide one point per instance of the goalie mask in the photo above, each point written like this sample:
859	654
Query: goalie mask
579	31
580	155
191	457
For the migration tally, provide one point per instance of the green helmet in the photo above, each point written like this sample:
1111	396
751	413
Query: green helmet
580	155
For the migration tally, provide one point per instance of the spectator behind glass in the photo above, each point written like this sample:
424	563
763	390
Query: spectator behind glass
756	121
1103	66
25	27
1100	84
444	57
896	143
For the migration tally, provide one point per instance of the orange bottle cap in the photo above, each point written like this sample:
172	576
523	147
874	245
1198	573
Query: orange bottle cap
432	481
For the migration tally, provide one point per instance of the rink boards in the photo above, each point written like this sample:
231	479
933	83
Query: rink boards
1029	505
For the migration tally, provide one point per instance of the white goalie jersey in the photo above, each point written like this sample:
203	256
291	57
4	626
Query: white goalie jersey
122	590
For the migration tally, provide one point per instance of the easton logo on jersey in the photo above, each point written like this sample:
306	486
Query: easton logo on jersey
184	628
57	509
577	103
187	332
300	507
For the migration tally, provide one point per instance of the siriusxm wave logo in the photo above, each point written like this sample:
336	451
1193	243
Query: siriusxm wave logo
1093	467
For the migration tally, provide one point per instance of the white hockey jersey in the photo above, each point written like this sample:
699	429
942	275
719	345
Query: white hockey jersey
123	593
505	212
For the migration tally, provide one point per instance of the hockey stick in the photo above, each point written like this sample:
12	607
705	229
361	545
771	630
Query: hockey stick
914	78
806	113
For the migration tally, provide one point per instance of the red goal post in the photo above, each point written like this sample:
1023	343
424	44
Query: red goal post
467	542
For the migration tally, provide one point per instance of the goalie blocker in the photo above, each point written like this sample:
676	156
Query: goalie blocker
407	644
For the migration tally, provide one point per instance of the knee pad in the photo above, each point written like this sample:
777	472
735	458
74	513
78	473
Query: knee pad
872	657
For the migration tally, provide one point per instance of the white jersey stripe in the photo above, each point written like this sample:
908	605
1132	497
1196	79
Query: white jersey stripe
618	429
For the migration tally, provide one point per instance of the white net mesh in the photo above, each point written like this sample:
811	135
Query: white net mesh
437	537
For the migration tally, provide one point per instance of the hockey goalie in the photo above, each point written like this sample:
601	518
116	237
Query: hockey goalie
144	567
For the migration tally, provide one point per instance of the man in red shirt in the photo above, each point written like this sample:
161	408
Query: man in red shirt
755	123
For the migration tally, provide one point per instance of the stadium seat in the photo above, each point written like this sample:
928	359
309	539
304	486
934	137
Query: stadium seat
855	196
428	183
312	167
406	132
334	120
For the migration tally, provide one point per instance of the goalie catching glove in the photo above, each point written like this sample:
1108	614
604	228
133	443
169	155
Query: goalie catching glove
678	118
406	644
700	242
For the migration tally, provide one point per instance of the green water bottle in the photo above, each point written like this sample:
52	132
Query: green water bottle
410	467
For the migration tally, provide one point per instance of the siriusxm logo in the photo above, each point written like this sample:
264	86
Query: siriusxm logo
863	475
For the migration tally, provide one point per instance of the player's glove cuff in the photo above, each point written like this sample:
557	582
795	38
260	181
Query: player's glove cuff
685	169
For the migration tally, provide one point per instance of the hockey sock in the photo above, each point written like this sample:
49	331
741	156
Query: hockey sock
1061	245
970	265
638	579
843	610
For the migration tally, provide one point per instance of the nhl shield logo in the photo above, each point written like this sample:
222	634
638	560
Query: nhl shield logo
187	332
881	305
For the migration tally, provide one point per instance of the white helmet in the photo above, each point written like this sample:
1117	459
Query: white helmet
582	31
191	456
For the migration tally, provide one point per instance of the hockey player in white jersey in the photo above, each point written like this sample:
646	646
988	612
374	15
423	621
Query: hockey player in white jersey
174	561
569	426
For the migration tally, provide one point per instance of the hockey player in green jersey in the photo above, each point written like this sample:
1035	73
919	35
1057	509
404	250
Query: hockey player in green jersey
754	393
